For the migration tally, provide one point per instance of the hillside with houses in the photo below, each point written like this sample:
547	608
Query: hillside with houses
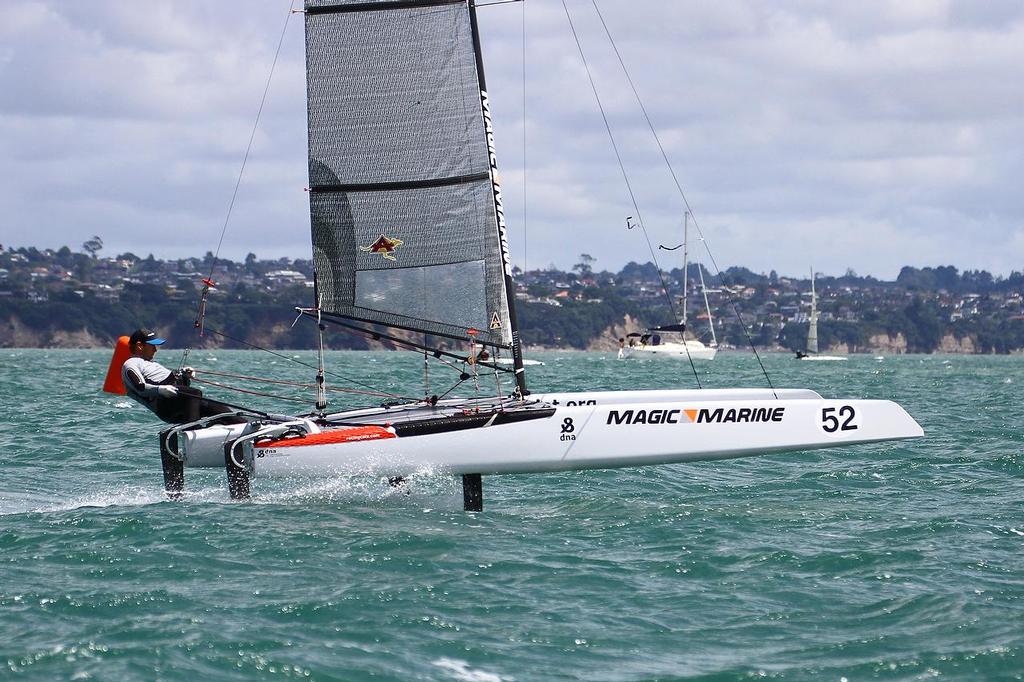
66	298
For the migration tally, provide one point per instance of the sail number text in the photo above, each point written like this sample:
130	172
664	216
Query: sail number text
838	418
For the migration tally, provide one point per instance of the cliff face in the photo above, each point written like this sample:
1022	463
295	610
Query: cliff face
951	344
897	345
878	343
890	345
609	338
14	334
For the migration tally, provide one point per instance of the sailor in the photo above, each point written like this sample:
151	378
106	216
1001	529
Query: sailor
166	393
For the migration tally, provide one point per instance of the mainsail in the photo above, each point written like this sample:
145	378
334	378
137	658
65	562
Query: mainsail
407	225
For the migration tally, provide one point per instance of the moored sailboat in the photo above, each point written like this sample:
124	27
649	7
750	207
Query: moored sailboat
409	237
651	344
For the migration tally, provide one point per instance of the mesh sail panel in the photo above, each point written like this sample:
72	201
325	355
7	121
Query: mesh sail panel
403	217
812	334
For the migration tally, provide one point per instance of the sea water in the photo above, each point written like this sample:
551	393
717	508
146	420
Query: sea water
895	561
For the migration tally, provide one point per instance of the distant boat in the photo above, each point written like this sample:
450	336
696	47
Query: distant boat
812	334
526	362
650	343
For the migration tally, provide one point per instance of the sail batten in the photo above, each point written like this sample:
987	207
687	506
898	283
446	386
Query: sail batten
404	225
409	184
333	7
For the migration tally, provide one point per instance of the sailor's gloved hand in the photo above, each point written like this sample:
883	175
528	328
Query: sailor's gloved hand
188	372
167	391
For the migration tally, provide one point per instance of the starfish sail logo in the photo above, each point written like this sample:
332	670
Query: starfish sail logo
385	246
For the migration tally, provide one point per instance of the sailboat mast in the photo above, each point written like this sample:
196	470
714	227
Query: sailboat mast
686	261
812	328
814	296
506	261
707	305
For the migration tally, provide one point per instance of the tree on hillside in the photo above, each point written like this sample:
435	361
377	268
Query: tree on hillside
585	266
64	257
925	325
635	272
93	246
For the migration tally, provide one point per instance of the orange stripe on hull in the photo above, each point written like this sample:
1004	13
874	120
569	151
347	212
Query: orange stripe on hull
345	435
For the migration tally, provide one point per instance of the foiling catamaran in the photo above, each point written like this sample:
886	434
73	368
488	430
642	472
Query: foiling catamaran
409	236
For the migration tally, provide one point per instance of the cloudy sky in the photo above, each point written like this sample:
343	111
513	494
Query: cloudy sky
863	135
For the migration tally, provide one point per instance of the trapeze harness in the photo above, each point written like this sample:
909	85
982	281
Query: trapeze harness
143	380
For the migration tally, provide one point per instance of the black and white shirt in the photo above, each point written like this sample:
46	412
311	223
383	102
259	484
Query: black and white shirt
142	378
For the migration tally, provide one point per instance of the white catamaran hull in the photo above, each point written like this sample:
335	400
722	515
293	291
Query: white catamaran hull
582	431
597	437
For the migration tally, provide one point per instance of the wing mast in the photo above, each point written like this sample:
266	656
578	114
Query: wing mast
812	329
506	262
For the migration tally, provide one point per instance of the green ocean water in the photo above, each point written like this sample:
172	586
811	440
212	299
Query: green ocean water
899	561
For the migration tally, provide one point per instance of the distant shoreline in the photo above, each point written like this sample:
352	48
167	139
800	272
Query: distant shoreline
63	299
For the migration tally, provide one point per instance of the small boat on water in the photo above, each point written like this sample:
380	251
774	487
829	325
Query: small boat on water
527	362
651	345
811	354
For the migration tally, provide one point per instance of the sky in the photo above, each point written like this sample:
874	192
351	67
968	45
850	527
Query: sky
839	136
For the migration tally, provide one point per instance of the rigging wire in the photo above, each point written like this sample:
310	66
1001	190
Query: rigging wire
679	187
306	364
615	148
208	283
457	384
372	390
524	137
252	135
294	384
248	392
629	187
321	386
411	345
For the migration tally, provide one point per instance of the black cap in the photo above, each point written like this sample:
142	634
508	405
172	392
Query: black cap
145	336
